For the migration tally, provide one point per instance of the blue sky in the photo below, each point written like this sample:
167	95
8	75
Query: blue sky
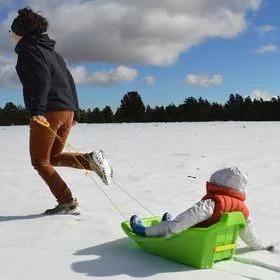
243	69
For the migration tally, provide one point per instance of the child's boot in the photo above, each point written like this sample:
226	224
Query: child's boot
166	217
137	226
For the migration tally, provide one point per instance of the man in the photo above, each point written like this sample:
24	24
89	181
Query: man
50	97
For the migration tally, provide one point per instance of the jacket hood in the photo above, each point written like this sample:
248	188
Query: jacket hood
41	40
230	177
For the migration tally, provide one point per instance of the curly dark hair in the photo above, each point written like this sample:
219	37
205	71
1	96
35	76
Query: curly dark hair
35	21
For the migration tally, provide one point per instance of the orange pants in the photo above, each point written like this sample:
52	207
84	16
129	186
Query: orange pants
46	152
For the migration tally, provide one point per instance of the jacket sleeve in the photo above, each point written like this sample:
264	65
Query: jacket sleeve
198	213
36	80
249	236
74	91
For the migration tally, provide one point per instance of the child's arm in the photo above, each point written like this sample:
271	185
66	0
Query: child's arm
249	236
200	212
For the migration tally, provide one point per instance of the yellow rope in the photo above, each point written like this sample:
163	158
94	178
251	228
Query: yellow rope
68	147
133	198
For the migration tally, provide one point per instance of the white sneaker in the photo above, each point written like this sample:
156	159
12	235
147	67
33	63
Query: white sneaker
106	172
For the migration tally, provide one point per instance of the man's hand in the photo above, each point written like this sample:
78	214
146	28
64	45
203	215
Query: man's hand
40	119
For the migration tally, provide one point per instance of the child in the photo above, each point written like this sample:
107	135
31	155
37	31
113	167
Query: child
225	193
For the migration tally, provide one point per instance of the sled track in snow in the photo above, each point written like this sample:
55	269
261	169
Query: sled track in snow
256	263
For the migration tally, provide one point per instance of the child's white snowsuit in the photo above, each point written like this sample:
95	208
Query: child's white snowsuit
204	209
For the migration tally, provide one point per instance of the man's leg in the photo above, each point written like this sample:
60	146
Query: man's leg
75	160
96	161
41	143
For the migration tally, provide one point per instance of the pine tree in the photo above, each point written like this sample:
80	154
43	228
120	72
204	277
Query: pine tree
107	115
171	113
132	108
149	114
235	108
217	112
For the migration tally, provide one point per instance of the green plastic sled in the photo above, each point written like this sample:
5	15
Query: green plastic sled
196	247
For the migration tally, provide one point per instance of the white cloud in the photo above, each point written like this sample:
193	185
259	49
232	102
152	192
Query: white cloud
261	94
270	48
5	26
150	80
265	29
111	77
133	31
8	76
203	80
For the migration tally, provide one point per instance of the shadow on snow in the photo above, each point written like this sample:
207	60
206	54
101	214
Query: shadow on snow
122	256
26	217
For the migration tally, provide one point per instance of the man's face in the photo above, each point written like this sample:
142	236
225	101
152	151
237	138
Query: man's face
15	38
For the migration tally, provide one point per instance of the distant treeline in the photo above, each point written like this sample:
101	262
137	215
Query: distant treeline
132	109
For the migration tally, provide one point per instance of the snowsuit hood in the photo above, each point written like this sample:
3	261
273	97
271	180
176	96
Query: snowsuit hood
231	177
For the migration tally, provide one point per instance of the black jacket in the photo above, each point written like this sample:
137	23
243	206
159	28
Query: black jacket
47	83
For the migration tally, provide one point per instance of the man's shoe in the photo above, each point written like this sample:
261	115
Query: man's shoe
101	165
71	208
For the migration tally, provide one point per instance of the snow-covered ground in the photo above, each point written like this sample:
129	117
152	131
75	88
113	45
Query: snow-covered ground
153	162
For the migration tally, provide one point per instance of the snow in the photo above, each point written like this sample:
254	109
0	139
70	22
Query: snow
153	162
